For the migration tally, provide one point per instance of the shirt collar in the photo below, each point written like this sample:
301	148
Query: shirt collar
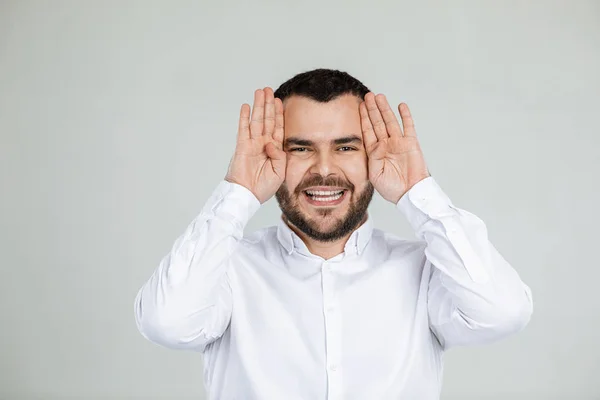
355	245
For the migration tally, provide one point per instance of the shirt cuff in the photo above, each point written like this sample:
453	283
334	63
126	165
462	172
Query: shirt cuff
233	202
425	200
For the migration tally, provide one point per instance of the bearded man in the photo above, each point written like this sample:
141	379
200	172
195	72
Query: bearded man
323	305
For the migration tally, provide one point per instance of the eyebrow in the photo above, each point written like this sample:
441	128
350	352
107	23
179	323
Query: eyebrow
297	142
304	142
348	139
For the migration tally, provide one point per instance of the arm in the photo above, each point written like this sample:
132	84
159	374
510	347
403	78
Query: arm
186	303
474	296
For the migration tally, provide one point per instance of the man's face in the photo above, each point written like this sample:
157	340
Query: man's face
326	191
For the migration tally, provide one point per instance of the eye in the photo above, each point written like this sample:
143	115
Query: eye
299	149
346	148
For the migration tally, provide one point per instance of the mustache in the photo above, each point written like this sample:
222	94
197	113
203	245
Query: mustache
318	180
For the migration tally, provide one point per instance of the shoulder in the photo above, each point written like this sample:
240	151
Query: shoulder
261	240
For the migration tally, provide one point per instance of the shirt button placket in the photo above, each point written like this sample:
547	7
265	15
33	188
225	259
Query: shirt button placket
333	333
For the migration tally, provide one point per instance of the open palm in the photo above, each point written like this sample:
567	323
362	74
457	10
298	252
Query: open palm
396	162
259	160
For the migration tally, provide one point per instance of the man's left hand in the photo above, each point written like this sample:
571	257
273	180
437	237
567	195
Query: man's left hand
396	162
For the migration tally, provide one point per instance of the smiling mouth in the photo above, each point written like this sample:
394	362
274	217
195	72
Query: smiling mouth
325	197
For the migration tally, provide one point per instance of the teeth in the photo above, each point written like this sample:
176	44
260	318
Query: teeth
323	192
327	198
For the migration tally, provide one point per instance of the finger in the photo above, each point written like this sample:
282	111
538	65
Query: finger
375	117
407	121
369	138
391	122
258	112
278	132
244	124
269	112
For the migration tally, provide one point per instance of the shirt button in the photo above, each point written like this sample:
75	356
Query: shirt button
333	367
330	309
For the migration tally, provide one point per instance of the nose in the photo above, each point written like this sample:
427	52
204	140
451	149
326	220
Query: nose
324	165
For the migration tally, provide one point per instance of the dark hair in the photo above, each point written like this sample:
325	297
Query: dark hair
322	85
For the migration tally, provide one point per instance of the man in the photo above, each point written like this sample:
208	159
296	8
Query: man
323	305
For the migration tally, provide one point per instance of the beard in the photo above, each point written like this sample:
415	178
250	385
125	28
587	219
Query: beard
356	213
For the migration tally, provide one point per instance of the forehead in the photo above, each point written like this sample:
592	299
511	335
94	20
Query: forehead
307	118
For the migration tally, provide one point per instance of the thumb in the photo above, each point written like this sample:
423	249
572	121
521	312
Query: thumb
378	151
278	159
274	153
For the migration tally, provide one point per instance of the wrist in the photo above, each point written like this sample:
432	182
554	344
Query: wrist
235	203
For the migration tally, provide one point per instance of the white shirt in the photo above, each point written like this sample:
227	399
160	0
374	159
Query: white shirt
275	322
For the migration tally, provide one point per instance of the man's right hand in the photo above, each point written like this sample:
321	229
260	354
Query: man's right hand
259	160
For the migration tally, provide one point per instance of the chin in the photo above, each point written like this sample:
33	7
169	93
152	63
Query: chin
326	215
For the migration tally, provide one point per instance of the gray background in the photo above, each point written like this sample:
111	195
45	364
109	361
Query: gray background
118	118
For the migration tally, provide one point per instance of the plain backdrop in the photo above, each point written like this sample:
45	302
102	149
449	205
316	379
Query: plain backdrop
118	119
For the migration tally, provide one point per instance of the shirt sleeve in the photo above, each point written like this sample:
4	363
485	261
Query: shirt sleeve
186	303
475	296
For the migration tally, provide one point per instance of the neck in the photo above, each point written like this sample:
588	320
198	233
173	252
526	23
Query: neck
325	250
